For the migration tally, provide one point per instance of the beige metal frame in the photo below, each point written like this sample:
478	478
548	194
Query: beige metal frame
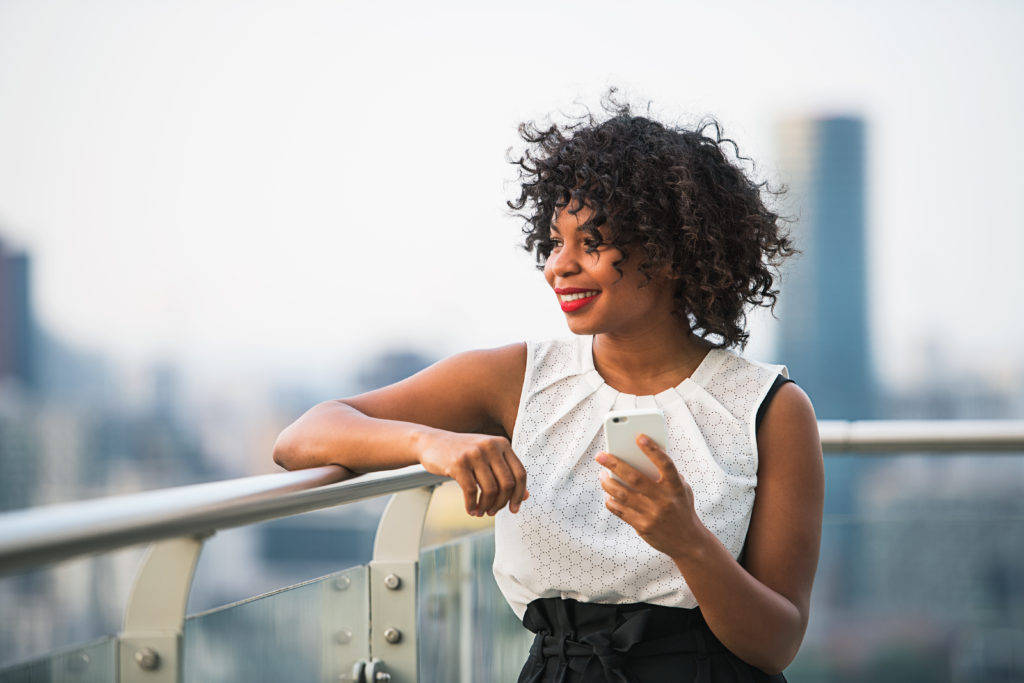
150	644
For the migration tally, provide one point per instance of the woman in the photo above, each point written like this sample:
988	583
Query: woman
654	244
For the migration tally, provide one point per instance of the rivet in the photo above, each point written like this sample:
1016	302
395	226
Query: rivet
342	583
147	659
392	581
343	636
392	635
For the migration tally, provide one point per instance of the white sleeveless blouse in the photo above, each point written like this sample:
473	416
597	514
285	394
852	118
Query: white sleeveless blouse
564	542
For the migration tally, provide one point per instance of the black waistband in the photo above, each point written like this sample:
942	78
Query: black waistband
578	632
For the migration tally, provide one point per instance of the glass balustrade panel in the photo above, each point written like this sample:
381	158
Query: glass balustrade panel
921	572
94	662
467	631
315	631
49	609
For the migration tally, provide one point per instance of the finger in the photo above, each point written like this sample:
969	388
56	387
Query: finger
467	483
624	471
616	508
614	488
659	457
488	486
519	493
506	482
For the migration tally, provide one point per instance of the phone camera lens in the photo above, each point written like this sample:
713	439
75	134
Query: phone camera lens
616	419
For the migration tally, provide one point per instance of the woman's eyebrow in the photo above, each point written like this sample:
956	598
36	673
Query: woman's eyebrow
554	228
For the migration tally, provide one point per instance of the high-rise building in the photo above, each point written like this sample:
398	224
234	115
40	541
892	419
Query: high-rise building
16	324
824	333
824	336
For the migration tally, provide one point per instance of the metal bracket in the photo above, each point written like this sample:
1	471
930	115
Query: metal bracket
394	584
149	646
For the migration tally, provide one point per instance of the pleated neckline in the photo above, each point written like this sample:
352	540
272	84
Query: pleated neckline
663	399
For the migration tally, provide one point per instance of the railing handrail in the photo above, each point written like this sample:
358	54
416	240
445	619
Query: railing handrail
892	436
59	532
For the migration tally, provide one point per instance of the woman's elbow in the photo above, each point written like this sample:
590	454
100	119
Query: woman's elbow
286	450
777	665
781	656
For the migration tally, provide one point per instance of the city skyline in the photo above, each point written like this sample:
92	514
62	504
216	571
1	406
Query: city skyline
283	196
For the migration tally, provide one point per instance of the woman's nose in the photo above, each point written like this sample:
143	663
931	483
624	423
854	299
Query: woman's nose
564	261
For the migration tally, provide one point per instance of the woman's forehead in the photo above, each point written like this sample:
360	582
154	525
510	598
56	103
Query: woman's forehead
571	217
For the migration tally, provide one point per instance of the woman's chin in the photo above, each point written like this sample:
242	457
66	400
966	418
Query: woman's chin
579	327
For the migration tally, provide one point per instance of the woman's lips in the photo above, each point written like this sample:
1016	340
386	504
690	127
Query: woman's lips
573	299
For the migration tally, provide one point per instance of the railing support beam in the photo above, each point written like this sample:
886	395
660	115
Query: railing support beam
150	644
394	578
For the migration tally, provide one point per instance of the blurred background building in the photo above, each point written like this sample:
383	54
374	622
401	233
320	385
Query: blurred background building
16	325
824	331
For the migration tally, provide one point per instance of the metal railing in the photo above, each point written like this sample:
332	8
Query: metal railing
60	532
177	521
901	436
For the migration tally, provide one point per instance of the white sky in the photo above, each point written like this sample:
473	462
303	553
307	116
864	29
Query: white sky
291	185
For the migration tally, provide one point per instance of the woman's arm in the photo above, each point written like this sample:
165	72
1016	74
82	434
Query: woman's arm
758	610
454	418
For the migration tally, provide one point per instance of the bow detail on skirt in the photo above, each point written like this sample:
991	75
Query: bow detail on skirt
596	643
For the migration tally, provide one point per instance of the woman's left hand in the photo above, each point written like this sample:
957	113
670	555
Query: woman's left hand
662	511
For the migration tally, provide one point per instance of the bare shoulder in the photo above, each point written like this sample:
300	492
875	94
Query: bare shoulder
788	445
502	363
789	420
472	391
785	527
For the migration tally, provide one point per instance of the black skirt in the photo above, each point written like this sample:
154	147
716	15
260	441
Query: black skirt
580	642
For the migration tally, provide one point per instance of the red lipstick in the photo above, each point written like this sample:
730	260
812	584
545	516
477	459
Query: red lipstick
574	298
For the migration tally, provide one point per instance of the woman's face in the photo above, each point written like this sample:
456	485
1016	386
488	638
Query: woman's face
595	297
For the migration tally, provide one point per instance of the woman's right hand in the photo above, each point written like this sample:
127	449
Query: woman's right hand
453	418
484	466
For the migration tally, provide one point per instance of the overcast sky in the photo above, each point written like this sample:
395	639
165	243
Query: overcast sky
293	185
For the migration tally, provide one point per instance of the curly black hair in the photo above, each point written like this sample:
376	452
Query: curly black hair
667	192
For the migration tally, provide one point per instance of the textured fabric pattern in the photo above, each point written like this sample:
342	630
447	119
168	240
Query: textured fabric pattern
564	542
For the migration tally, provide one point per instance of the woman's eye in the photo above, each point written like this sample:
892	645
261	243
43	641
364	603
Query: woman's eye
592	245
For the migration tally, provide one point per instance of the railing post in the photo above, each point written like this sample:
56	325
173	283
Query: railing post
150	645
394	576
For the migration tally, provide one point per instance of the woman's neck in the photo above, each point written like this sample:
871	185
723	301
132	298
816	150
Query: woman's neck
648	362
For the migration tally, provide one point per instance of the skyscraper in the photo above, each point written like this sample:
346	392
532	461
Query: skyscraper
824	335
16	324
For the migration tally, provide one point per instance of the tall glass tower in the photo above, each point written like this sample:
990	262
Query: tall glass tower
824	333
15	318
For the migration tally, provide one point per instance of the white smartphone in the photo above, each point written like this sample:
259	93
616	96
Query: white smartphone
621	427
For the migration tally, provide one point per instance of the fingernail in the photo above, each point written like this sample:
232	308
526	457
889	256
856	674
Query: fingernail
602	458
643	440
